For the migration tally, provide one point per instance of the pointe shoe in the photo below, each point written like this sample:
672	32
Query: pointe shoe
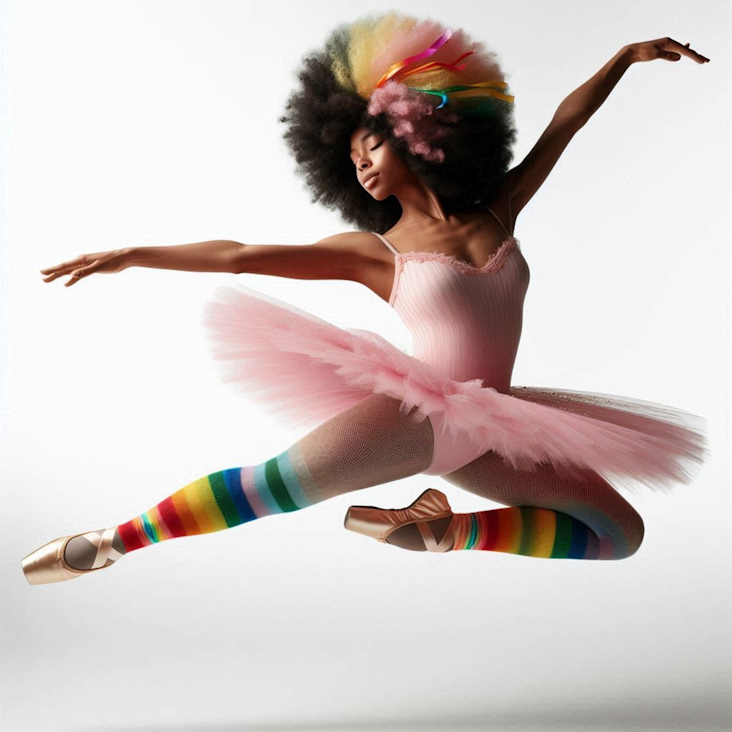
47	564
379	523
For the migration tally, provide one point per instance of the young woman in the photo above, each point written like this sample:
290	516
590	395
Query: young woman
406	129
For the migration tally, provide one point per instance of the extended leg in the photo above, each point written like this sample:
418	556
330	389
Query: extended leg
370	444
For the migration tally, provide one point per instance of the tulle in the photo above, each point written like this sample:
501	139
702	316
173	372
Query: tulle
306	370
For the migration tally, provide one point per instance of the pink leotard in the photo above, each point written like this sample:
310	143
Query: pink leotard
465	320
466	324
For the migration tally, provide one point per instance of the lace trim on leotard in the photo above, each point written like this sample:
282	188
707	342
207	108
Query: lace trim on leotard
494	264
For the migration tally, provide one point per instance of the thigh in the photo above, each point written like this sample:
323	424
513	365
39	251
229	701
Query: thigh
590	499
371	443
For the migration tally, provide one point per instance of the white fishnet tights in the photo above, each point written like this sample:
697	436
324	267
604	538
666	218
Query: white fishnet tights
369	444
374	443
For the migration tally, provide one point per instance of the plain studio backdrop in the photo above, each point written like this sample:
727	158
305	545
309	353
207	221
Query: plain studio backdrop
155	123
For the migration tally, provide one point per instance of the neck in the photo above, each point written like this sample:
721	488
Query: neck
420	205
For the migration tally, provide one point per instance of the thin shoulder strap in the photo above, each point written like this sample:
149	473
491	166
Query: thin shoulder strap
501	222
384	239
510	220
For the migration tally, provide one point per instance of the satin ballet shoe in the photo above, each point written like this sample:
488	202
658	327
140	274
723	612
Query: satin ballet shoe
379	523
47	564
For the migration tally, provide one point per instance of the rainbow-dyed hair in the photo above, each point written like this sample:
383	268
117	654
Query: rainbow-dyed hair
439	97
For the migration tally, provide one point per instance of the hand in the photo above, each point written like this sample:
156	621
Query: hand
665	48
86	264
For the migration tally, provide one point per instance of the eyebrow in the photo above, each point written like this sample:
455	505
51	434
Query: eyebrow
368	134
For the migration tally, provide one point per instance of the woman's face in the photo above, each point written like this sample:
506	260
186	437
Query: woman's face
378	168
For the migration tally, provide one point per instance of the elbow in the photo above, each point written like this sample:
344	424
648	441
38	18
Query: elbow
235	260
571	116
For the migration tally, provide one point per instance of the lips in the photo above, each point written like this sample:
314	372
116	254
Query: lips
369	179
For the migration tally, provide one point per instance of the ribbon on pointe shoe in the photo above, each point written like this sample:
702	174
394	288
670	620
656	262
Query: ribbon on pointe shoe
103	543
431	544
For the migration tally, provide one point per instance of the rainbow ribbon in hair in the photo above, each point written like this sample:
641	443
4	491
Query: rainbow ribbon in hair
397	72
471	90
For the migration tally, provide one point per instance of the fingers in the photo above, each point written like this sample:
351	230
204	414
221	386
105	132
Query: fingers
56	273
86	264
77	268
62	269
77	274
677	51
55	270
71	268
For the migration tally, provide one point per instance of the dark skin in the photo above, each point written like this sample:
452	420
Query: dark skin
424	225
475	237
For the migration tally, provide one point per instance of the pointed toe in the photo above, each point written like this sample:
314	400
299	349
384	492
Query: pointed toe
46	564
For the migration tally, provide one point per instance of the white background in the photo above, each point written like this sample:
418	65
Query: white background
155	123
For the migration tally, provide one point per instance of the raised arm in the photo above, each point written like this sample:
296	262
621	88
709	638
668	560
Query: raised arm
574	112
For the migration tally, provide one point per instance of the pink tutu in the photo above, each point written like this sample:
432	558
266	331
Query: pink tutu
306	370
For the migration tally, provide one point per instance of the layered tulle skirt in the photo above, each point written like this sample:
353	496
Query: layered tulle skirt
306	370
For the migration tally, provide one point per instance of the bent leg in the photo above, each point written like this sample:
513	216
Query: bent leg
551	516
369	444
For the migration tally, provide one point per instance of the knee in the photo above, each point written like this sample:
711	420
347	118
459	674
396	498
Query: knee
634	532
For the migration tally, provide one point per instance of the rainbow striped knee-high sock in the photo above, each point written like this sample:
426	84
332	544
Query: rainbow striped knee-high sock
533	532
217	501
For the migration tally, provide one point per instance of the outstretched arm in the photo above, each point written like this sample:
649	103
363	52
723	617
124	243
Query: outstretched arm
339	257
206	256
574	112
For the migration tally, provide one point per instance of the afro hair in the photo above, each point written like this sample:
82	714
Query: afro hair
357	80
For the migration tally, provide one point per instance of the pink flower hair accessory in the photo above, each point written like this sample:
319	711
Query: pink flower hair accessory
412	118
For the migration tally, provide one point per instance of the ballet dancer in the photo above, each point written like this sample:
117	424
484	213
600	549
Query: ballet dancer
406	129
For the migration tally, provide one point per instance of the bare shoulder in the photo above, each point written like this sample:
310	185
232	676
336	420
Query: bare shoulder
375	264
351	243
367	260
362	253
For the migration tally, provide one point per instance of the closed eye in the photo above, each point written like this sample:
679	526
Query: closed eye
374	147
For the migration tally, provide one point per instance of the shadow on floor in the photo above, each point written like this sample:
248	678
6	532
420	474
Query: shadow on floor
702	714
